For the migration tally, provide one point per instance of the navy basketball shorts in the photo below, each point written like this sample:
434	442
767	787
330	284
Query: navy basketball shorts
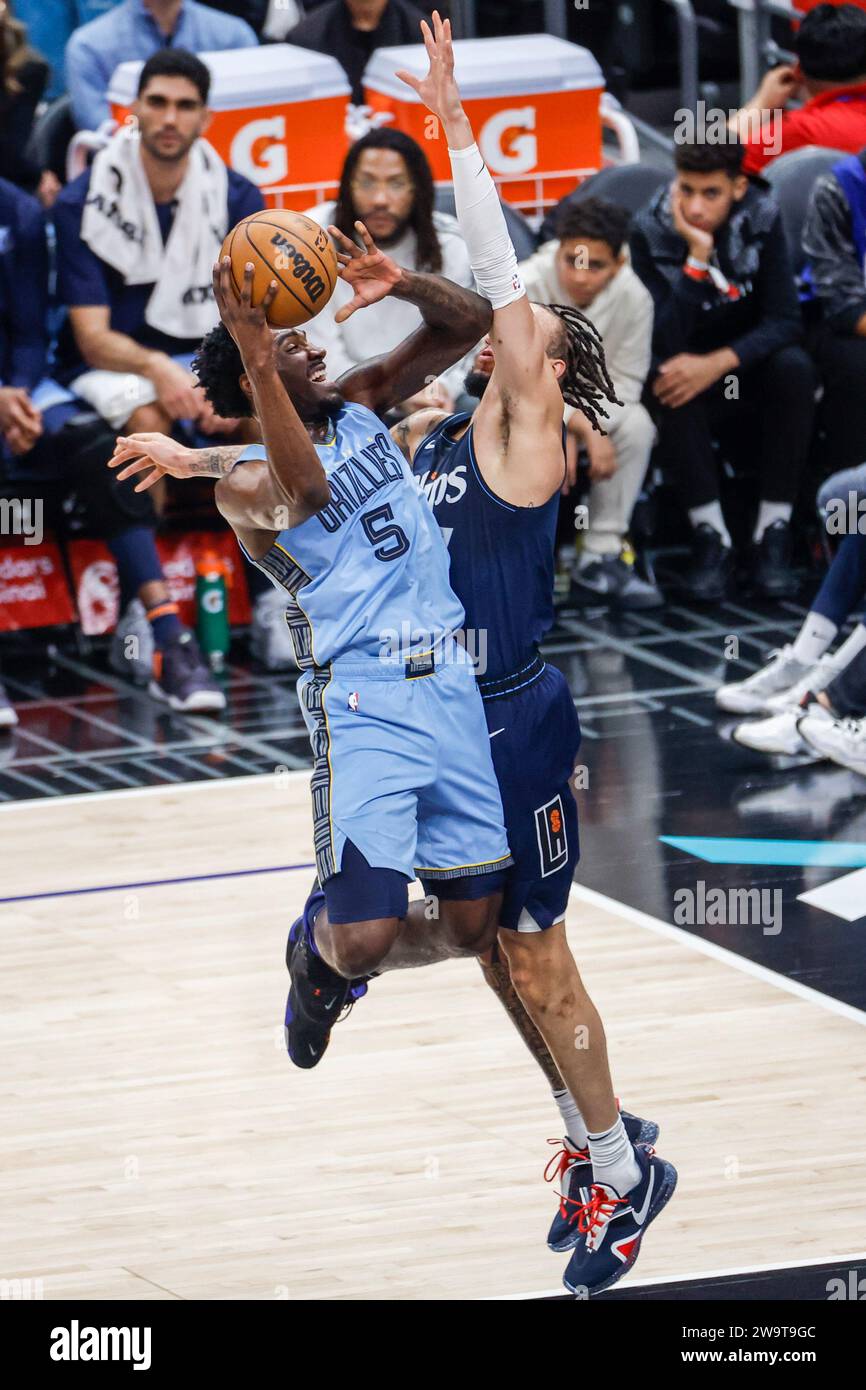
534	739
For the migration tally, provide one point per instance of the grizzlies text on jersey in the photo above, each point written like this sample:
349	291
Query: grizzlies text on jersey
402	767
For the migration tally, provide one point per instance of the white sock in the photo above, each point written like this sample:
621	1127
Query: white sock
813	639
851	647
572	1122
768	512
612	1156
710	514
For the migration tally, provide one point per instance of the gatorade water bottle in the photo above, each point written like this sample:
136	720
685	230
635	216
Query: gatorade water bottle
212	610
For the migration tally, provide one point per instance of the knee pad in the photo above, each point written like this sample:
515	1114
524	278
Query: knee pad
98	502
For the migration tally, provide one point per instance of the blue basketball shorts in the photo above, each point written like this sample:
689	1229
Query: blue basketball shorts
403	770
534	738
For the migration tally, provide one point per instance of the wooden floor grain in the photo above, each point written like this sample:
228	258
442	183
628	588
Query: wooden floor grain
155	1142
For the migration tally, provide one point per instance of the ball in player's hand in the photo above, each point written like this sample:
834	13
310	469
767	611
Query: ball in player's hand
293	250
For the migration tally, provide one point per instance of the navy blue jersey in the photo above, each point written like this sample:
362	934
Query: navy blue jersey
502	556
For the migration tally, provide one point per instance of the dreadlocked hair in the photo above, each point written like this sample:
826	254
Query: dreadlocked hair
586	381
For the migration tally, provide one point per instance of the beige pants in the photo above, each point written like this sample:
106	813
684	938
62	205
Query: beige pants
611	501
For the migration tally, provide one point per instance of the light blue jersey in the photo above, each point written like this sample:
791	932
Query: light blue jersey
401	756
368	574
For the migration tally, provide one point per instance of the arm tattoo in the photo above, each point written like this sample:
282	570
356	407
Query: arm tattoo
444	305
498	977
400	436
217	462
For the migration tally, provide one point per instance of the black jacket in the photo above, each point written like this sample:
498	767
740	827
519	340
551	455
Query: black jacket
695	316
328	29
835	264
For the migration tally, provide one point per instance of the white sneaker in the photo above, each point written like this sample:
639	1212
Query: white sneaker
843	741
132	659
780	732
816	679
270	641
751	696
8	717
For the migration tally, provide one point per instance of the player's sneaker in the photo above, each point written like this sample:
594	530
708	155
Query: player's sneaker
270	639
781	732
318	995
843	741
132	659
612	1227
571	1170
751	695
8	717
182	677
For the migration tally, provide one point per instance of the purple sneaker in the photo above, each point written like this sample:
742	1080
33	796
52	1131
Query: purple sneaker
183	678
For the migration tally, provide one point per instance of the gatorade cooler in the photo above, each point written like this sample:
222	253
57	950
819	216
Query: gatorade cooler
279	118
533	102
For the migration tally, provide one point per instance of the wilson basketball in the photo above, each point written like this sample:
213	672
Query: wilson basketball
293	250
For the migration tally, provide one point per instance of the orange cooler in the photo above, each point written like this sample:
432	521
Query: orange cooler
279	118
533	102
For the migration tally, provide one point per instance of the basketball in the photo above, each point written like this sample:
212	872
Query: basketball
293	250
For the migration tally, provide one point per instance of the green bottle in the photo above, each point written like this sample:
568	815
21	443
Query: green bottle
212	609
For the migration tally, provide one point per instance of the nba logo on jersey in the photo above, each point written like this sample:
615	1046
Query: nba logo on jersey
552	839
354	700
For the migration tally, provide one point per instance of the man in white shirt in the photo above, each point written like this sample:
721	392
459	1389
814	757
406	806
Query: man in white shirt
387	183
588	267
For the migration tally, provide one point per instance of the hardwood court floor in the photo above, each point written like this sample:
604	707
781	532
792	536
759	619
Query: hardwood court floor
155	1142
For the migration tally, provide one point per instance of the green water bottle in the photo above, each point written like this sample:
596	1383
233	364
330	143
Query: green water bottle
212	609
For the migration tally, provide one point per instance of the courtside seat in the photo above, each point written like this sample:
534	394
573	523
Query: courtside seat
629	186
792	177
522	235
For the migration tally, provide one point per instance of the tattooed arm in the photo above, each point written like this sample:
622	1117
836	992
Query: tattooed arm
454	319
161	454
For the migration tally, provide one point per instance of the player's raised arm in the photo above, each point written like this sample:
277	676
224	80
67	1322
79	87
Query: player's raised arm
453	320
517	339
297	480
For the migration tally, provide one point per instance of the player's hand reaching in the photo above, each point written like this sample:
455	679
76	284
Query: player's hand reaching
157	452
370	273
245	321
438	90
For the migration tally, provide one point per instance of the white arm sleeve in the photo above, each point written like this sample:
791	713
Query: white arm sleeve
482	223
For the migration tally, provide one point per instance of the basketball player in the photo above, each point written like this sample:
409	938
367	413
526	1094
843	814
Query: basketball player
494	484
403	783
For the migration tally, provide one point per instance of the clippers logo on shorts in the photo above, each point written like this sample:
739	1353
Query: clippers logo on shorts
552	839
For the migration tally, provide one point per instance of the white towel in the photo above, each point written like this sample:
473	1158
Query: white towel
120	226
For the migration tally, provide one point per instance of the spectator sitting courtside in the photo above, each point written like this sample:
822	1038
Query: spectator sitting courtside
140	303
588	267
137	29
831	73
350	30
834	242
23	77
387	183
727	350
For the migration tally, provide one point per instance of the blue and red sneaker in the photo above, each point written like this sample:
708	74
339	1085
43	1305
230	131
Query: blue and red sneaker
612	1227
571	1169
318	995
